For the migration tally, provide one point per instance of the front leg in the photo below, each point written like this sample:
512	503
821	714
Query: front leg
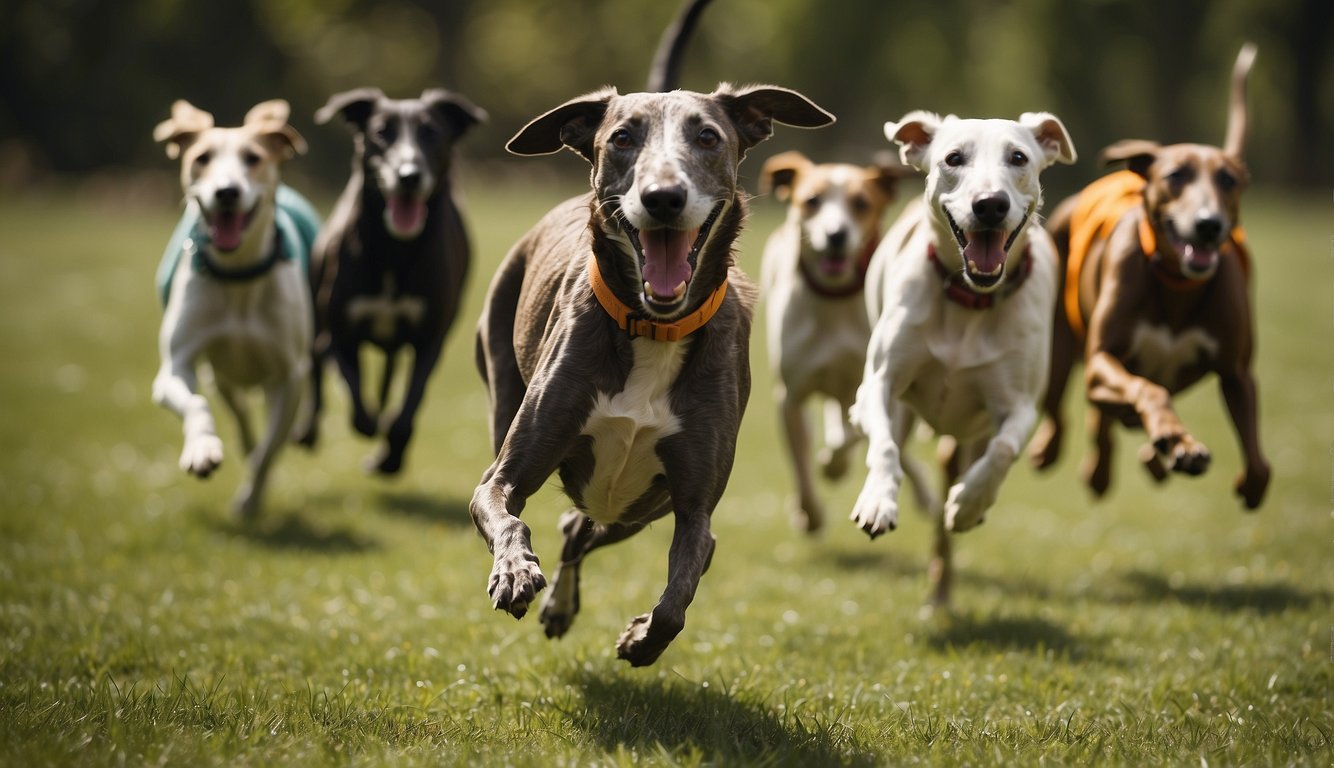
174	389
1110	384
877	507
970	498
346	355
809	514
424	359
647	636
1239	394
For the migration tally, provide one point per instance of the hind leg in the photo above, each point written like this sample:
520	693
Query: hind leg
1097	468
1046	446
582	536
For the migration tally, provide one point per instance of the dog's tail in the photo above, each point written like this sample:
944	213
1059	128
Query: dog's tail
1235	142
667	61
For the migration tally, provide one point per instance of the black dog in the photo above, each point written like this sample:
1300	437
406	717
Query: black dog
389	266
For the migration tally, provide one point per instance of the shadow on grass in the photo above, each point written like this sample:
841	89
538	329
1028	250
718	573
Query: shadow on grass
293	532
648	715
426	508
1030	634
1226	598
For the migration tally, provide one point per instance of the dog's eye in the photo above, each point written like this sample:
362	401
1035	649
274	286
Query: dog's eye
954	159
860	204
1018	158
1225	181
621	139
812	202
203	158
708	138
427	133
386	133
1179	177
250	158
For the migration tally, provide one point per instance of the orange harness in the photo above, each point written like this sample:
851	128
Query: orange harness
1099	209
629	320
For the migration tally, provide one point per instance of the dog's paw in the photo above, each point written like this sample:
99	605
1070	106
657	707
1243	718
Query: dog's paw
966	507
1183	453
808	515
383	461
307	437
201	455
1096	470
1046	446
877	511
645	638
246	505
561	605
834	462
1252	484
515	581
364	424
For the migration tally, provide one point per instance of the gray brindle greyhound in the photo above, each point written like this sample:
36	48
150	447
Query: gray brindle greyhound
614	343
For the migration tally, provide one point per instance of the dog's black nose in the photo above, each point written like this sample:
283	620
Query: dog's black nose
409	177
227	195
1209	228
990	209
664	203
838	238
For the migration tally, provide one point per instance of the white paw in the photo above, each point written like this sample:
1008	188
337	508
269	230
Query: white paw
202	454
877	509
966	507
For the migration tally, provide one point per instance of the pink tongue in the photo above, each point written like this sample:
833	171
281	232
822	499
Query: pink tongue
665	259
985	251
1199	259
226	230
407	213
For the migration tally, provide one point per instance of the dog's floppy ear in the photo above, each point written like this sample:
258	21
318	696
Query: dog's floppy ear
1052	137
780	172
913	134
458	113
269	119
572	124
354	105
183	127
754	109
1138	154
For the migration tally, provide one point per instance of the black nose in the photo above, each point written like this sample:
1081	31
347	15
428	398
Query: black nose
410	177
664	203
228	195
1209	228
991	209
838	238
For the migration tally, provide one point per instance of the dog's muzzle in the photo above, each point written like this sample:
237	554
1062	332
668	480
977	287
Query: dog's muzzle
984	251
668	259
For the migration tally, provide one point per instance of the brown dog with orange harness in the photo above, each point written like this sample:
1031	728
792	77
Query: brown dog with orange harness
1156	290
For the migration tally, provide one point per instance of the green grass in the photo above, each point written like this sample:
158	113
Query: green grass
139	624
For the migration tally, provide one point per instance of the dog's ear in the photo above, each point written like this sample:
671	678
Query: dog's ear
780	172
182	128
886	176
913	134
1052	137
572	124
269	120
354	105
455	109
1137	154
755	108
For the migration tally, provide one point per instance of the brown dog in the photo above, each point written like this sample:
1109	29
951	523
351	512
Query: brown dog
1156	288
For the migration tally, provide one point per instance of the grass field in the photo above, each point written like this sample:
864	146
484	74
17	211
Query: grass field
139	624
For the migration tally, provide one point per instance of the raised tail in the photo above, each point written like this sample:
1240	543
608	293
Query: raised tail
1235	143
666	69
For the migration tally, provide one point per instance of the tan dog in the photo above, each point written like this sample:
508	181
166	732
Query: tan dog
814	273
1157	291
234	286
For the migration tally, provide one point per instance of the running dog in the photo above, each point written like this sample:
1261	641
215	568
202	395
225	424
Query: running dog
233	282
1157	294
961	295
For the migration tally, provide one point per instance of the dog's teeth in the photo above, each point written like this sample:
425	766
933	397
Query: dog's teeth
680	290
648	289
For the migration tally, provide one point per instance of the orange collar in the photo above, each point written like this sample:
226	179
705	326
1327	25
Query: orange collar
636	326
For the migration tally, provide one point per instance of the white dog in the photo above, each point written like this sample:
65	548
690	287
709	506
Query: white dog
815	267
234	285
961	292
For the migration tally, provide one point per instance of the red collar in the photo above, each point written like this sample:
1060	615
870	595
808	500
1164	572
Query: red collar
851	289
960	292
629	320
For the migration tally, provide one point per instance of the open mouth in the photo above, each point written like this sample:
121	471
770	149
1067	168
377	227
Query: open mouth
1197	259
985	250
405	214
227	227
668	259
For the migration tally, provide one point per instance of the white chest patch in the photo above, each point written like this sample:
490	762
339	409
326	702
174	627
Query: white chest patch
385	310
626	427
1160	354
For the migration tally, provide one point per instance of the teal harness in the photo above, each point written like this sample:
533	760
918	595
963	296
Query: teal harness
297	224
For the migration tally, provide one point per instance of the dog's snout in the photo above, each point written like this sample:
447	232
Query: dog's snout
1209	227
664	202
227	195
838	238
410	176
991	209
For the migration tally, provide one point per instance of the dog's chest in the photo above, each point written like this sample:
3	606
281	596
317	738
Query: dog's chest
625	428
1171	359
381	313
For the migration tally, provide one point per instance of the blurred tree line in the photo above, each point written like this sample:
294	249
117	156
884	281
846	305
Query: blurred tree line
82	82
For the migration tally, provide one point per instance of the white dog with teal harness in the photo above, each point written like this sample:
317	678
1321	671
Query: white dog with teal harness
234	287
